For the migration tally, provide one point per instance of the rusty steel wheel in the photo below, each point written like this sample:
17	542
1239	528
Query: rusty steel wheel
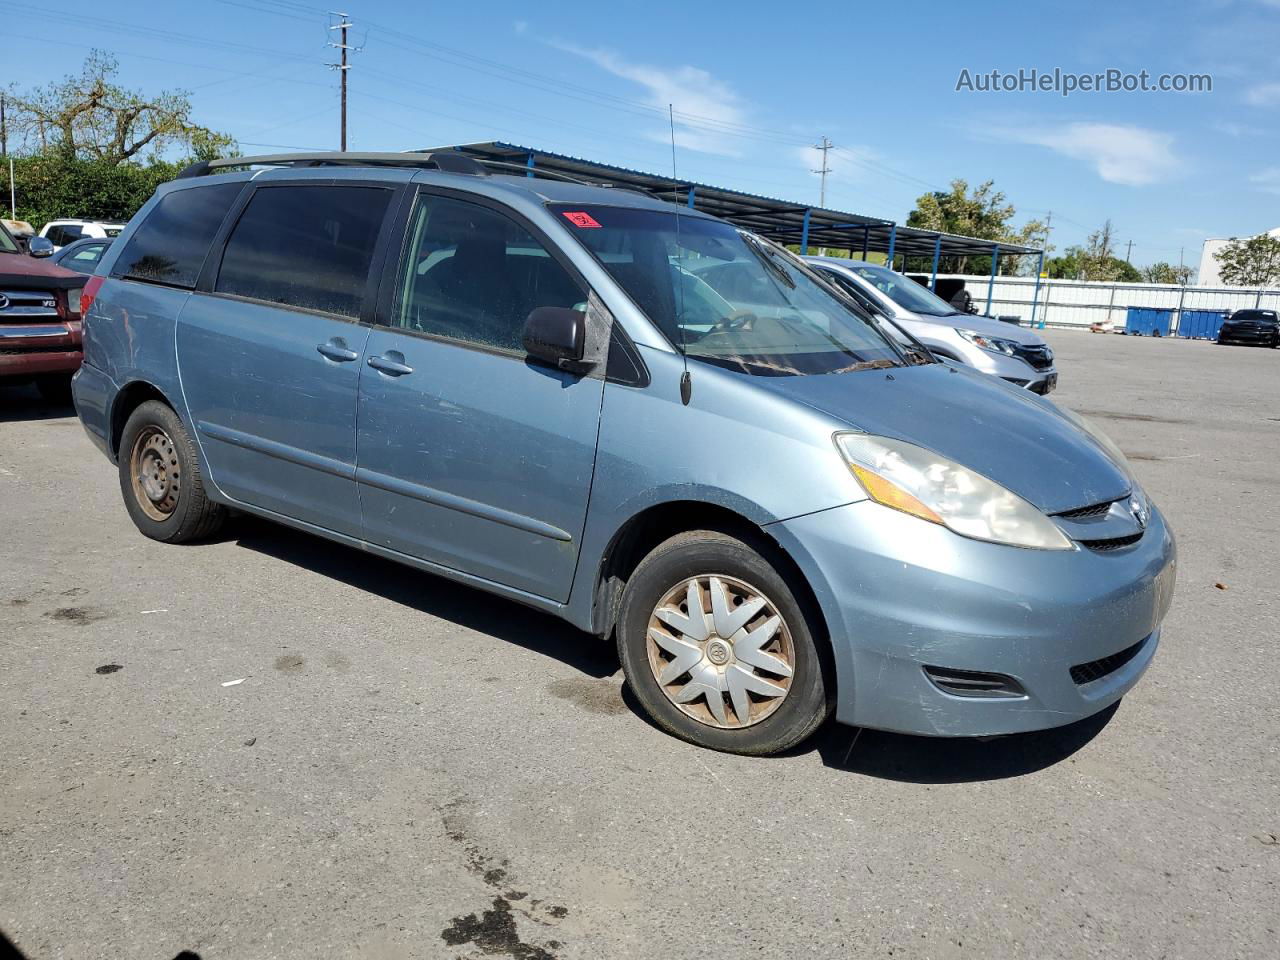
157	476
721	651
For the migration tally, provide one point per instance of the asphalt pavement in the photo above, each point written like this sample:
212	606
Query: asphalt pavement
273	746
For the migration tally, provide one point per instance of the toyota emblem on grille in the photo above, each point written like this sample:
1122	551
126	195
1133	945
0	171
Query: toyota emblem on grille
1139	511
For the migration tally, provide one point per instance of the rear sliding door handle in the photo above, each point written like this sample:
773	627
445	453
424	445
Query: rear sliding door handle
391	364
336	349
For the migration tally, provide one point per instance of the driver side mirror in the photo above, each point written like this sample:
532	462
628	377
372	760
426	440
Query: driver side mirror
556	335
40	247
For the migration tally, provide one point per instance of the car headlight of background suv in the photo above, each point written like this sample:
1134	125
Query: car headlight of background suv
923	484
1007	348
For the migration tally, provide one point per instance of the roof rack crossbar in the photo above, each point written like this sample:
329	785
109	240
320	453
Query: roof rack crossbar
449	161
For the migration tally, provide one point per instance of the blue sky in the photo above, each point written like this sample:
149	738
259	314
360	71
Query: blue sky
753	84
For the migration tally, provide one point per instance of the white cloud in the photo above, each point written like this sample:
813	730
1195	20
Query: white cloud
1263	95
1267	180
1129	155
520	26
706	109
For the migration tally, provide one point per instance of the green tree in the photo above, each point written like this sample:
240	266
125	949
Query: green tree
983	212
1252	262
1163	272
1096	260
90	117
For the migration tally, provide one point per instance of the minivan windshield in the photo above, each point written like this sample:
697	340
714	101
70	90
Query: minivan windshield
727	297
903	291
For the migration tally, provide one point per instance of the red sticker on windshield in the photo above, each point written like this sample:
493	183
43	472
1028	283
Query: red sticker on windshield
580	219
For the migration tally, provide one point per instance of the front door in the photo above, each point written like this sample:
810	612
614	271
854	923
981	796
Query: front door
270	356
472	456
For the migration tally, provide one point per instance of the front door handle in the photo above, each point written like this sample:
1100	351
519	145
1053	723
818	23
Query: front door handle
336	349
392	364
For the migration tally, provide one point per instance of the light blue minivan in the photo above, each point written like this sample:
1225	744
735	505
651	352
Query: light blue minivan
638	417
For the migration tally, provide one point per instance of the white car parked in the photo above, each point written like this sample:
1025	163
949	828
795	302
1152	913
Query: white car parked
1013	353
62	232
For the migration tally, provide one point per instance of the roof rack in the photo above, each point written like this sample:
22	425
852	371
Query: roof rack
449	161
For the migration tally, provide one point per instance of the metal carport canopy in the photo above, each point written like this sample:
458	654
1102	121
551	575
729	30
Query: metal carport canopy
779	220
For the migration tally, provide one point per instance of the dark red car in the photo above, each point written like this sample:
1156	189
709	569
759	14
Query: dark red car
39	320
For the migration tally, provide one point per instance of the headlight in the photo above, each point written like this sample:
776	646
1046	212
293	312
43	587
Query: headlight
919	482
993	344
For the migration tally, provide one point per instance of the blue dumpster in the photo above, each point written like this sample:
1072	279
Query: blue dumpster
1201	324
1148	322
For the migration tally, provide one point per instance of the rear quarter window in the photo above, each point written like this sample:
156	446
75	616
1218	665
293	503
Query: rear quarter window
307	246
170	245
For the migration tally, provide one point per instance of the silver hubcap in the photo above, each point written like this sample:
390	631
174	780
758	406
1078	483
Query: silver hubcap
720	651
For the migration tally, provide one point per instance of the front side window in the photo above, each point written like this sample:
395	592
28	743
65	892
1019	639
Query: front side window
473	274
305	246
7	243
169	246
726	297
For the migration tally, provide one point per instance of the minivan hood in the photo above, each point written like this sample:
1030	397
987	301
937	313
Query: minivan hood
1009	435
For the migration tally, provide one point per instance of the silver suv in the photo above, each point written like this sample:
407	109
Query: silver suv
1010	352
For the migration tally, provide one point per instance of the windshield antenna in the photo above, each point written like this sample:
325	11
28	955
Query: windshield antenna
686	382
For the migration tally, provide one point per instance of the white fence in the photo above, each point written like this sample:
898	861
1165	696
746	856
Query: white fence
1079	303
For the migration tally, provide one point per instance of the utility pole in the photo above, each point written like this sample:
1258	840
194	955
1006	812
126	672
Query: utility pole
1127	252
824	146
343	25
4	152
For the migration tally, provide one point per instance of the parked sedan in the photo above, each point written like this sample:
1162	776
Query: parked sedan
83	255
1005	350
1257	328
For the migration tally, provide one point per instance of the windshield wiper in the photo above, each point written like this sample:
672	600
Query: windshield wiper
767	258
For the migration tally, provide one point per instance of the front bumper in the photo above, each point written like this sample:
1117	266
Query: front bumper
34	348
900	595
1261	337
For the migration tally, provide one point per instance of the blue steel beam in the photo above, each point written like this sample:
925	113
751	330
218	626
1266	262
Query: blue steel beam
1035	296
893	239
529	163
804	235
866	239
937	252
995	265
692	191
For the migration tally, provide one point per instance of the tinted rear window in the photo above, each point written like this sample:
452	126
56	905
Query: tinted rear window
305	246
170	245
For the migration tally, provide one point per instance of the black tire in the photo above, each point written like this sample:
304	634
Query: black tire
190	514
55	388
810	697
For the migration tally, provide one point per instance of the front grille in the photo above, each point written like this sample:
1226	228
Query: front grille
1111	543
20	306
1083	513
1039	357
1083	673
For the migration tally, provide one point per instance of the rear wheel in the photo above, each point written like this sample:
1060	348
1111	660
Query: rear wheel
160	478
717	648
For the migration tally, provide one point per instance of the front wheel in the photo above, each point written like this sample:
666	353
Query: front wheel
160	478
717	648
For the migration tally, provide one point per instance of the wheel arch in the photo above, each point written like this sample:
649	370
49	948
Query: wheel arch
131	396
647	528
